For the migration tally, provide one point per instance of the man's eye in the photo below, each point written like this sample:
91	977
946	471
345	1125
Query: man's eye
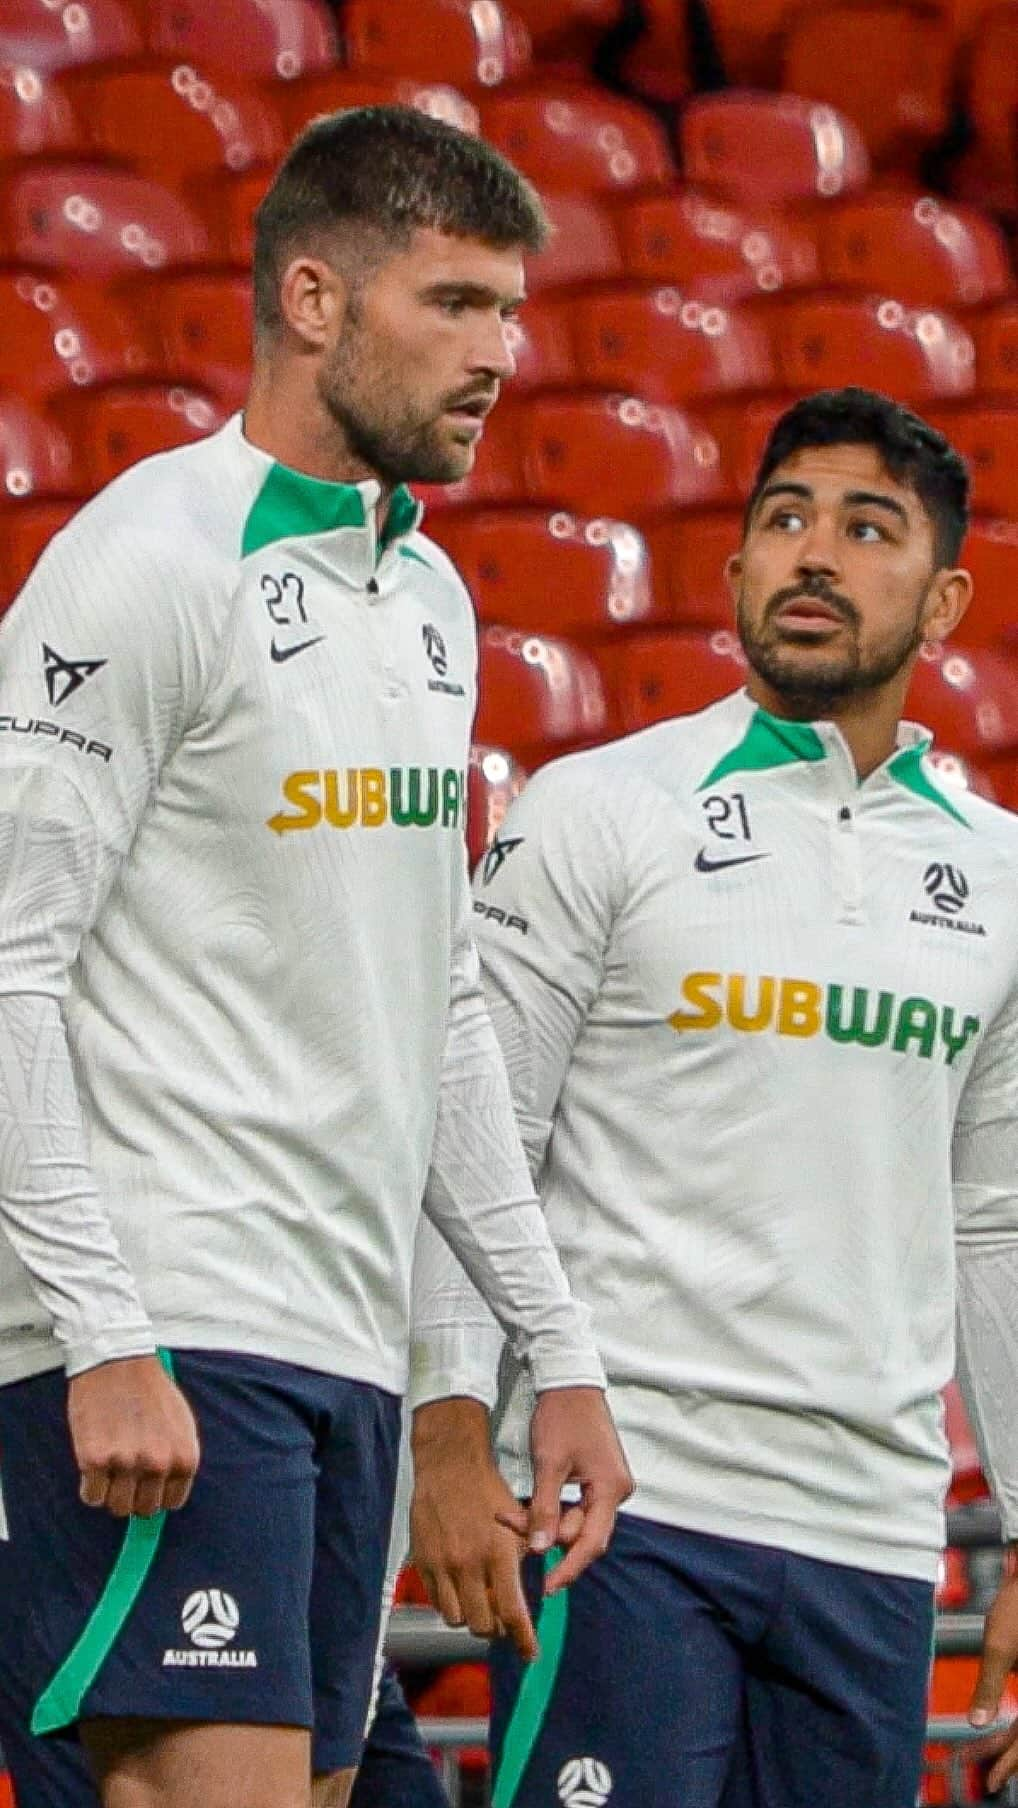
787	521
867	531
453	305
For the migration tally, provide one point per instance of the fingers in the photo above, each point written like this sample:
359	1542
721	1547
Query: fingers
1006	1765
542	1519
510	1601
589	1544
136	1492
514	1517
994	1670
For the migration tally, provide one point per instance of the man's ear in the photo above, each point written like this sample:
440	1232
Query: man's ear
949	596
312	298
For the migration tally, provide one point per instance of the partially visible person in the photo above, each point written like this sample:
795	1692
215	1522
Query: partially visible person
242	1032
755	975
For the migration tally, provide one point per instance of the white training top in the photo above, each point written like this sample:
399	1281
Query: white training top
234	729
745	1003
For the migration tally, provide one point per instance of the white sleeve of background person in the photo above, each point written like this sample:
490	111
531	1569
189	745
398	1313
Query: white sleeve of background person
985	1160
455	1340
68	813
479	1194
544	904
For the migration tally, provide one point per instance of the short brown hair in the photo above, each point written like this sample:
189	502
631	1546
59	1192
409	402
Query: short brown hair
386	171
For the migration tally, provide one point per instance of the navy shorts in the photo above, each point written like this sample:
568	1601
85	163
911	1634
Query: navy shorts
395	1770
687	1671
258	1602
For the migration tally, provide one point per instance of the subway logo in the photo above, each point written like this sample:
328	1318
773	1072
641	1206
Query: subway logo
366	797
800	1007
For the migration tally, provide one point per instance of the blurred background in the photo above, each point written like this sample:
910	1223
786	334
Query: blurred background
752	199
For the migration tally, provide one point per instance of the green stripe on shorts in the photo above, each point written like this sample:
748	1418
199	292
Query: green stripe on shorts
60	1702
535	1692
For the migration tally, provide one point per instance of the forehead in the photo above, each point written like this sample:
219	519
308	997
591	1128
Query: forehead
832	472
433	257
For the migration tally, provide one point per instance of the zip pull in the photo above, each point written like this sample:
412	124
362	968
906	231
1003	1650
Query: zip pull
845	813
372	586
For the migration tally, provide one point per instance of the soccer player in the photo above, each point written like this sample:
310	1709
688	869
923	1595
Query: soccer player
242	1032
755	973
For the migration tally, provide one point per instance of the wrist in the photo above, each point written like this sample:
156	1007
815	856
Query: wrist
458	1427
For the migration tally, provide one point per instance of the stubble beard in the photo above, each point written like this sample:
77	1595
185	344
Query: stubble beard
818	688
405	450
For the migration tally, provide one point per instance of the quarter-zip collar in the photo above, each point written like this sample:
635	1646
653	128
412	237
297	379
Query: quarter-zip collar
290	505
768	742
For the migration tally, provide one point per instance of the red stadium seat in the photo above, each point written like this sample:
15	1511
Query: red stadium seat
742	429
35	456
227	206
658	64
916	248
688	556
913	355
992	88
579	138
332	90
448	41
38	35
6	1792
538	695
113	428
462	1691
61	332
174	123
984	433
256	38
968	697
97	221
712	250
494	778
665	345
26	528
990	553
556	572
618	455
750	38
888	67
583	247
771	148
199	329
654	676
995	332
567	28
36	116
542	347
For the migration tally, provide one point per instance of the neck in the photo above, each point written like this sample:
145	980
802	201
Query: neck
285	417
868	720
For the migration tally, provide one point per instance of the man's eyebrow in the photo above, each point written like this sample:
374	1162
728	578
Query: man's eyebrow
874	499
784	488
478	294
854	498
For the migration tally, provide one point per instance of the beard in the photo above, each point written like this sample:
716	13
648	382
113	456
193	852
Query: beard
396	443
817	686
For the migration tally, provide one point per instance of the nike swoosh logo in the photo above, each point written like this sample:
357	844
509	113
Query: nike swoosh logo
281	653
704	864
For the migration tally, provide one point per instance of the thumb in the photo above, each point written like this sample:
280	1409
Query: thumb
994	1669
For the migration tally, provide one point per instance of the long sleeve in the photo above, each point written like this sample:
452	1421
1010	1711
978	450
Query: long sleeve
91	693
479	1194
986	1209
539	981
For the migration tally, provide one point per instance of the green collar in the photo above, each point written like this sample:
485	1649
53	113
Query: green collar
290	504
770	741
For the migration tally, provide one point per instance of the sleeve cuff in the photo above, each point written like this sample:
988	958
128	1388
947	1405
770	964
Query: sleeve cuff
455	1361
111	1345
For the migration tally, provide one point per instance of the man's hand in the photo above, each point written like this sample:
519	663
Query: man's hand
573	1439
134	1437
468	1560
999	1657
460	1544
